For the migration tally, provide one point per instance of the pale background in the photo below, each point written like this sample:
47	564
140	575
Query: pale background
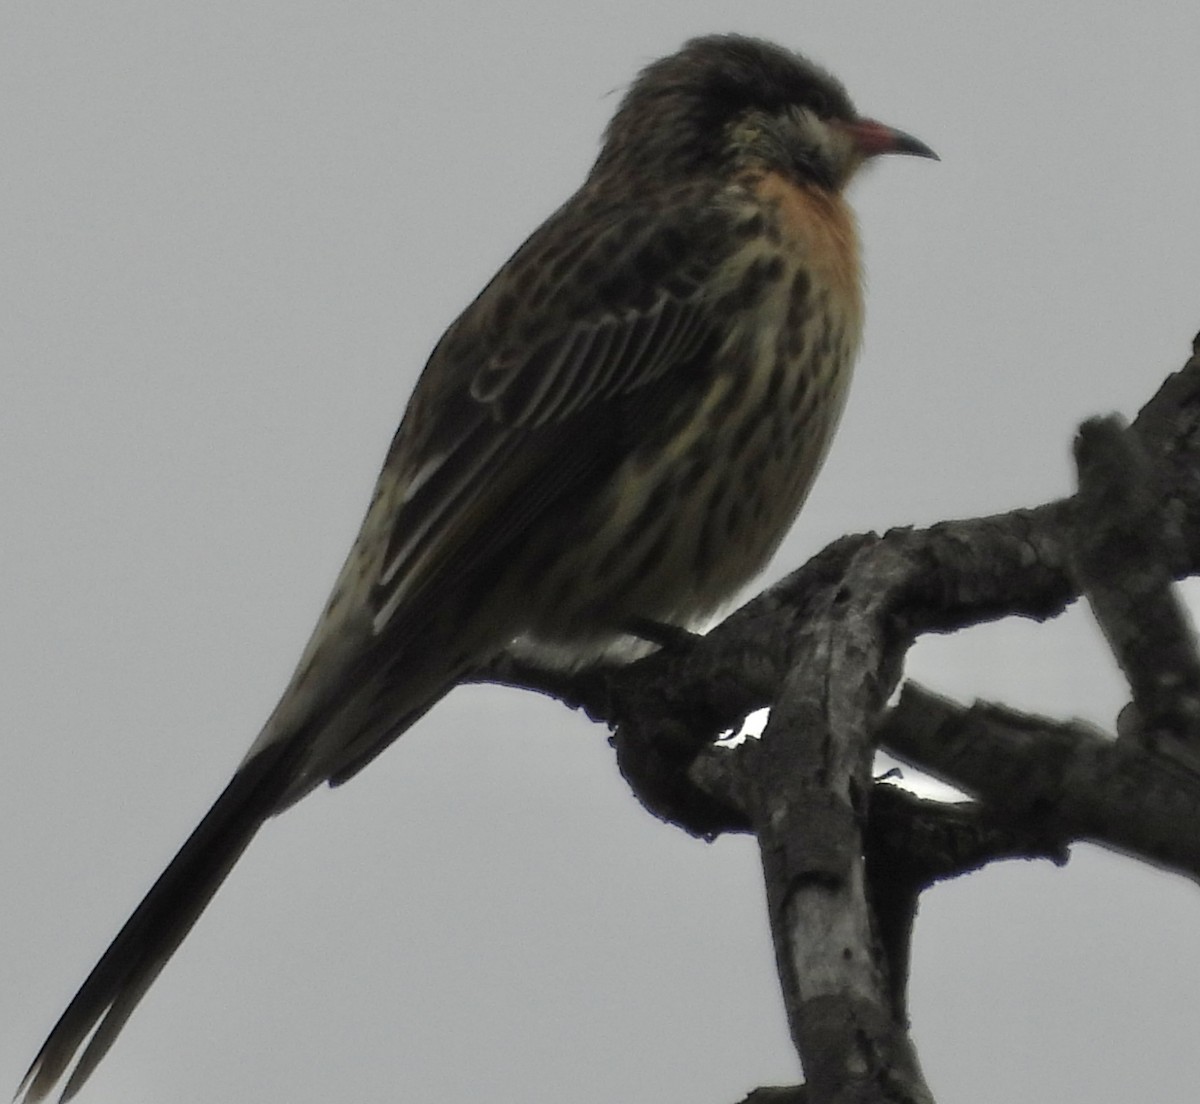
229	235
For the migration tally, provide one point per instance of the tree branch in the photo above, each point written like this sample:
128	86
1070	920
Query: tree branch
846	859
1122	542
1067	780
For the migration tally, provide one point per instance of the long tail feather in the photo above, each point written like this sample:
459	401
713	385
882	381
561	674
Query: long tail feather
166	914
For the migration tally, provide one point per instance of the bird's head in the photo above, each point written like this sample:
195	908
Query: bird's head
727	102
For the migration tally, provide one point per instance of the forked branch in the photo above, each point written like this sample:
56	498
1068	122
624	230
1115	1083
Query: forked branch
846	856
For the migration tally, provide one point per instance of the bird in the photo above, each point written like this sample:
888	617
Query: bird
617	432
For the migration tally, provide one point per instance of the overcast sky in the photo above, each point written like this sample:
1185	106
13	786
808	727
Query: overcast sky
229	235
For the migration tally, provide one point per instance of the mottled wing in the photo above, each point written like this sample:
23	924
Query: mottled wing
519	406
593	308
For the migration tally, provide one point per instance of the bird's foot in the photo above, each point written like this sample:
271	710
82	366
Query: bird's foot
662	633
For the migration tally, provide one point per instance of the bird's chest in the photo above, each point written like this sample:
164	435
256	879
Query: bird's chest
795	308
799	269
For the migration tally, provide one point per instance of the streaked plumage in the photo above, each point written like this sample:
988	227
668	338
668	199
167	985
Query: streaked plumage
621	426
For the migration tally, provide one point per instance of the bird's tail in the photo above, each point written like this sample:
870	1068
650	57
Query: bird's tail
166	914
352	714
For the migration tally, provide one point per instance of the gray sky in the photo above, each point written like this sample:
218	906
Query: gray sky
230	234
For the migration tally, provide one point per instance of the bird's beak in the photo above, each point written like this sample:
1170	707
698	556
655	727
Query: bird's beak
874	138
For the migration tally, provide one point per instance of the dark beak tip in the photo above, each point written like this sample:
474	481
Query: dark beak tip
875	138
921	150
914	147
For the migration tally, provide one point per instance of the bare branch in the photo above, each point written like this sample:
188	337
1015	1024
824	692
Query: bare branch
845	859
1123	545
1067	780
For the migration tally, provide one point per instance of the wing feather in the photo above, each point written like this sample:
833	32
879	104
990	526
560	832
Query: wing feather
600	343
